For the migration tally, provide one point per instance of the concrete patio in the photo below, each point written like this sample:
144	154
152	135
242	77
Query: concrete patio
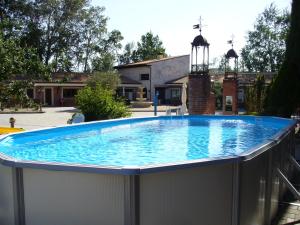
57	116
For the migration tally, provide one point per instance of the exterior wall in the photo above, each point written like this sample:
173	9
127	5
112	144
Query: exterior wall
61	197
166	70
187	196
160	72
57	95
134	74
39	94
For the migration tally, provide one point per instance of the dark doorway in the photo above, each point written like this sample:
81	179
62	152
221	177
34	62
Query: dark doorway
48	96
161	95
29	92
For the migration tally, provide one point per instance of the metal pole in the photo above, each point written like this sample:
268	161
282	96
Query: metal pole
131	200
203	65
155	103
196	59
192	60
19	205
236	193
207	56
288	184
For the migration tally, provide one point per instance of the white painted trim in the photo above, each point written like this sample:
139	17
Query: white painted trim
59	85
78	85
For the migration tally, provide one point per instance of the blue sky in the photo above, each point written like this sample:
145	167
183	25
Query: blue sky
172	20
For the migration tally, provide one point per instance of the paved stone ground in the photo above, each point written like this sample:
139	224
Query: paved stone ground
289	213
289	208
57	116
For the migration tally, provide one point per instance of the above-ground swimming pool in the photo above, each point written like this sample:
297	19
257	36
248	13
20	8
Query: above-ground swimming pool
148	171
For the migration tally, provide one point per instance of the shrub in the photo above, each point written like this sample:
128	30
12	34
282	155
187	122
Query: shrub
99	104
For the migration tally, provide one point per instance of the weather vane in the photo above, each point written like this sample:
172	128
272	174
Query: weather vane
231	40
199	25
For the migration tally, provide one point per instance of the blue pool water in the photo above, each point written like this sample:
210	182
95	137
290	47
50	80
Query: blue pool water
148	141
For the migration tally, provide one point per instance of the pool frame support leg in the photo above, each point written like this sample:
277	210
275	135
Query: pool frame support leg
131	199
235	193
19	205
268	192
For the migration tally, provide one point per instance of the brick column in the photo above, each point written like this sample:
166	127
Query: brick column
200	99
230	88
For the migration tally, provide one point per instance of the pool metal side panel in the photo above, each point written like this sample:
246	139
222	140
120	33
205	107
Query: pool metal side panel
279	156
253	190
131	199
260	188
60	197
187	196
7	197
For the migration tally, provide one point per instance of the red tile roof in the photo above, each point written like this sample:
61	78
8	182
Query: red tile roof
146	62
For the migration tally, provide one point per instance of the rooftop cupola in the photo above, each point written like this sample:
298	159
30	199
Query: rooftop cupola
200	53
231	62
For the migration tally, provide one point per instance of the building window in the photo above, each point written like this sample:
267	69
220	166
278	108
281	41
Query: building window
175	93
69	93
145	76
129	94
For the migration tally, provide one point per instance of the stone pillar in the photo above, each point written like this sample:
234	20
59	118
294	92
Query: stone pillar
200	99
230	96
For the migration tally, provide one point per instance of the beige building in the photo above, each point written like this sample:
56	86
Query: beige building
163	76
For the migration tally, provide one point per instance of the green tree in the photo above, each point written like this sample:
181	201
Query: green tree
18	62
107	52
67	34
283	97
265	45
99	104
217	89
128	54
149	47
103	63
221	64
107	80
255	95
93	28
18	68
